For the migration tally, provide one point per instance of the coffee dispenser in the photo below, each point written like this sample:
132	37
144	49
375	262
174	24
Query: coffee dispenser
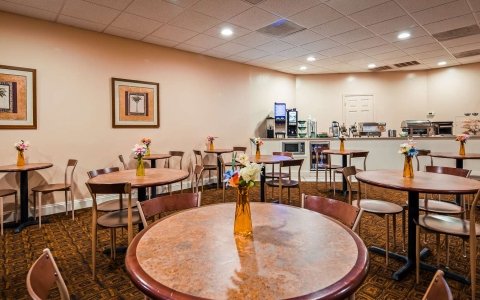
335	129
292	122
270	127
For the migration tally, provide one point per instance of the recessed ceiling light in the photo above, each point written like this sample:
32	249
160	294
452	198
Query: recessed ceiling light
442	63
226	32
371	66
303	68
403	35
311	58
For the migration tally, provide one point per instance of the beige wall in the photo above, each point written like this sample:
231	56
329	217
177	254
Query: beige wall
199	96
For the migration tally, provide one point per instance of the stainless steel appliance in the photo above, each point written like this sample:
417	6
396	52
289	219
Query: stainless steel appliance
392	133
292	120
443	127
323	159
371	128
297	148
417	127
335	129
270	127
312	127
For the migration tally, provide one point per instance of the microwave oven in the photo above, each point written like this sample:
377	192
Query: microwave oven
297	148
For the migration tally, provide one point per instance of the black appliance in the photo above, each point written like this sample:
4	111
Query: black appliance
323	158
296	148
292	122
443	127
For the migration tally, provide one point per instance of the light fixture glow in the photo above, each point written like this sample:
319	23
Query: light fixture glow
403	35
303	68
442	63
371	66
226	32
311	58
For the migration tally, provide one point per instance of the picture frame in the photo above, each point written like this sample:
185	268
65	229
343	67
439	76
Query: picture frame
135	104
18	98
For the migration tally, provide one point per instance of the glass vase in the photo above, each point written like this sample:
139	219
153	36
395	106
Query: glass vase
462	149
257	152
210	146
408	167
147	153
20	159
342	145
243	215
140	167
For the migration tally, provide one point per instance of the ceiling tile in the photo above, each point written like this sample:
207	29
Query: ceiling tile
285	64
462	41
429	54
254	18
160	11
449	24
217	29
204	41
124	33
183	3
271	59
231	48
221	9
353	36
368	43
215	53
294	52
287	8
423	40
27	11
254	39
349	7
423	48
89	11
275	46
385	11
469	60
336	27
394	25
237	58
397	60
174	33
195	21
390	55
442	12
253	54
135	23
380	49
434	60
117	4
351	57
475	5
190	48
416	5
302	37
340	50
48	5
415	32
159	41
463	48
81	23
321	45
314	16
324	62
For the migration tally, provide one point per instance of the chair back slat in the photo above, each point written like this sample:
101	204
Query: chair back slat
289	154
239	149
72	163
95	173
43	275
359	154
448	170
345	213
291	163
438	288
113	188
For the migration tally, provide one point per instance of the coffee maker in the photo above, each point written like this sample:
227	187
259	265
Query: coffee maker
292	122
335	129
270	127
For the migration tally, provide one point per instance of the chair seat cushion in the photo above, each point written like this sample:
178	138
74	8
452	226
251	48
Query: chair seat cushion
447	224
378	206
340	170
114	205
439	207
276	175
47	188
285	183
118	218
7	192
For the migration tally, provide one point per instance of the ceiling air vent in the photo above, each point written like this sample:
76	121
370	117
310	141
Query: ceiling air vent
281	28
254	2
407	64
382	68
457	33
467	53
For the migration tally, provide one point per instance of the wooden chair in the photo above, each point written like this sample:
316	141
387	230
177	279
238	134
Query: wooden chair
236	150
43	275
288	182
155	206
353	155
206	167
467	230
324	164
66	186
125	166
111	220
177	155
347	214
272	175
5	193
381	208
110	205
438	288
423	153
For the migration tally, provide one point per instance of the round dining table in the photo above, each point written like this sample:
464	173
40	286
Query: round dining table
153	164
219	152
266	160
457	157
422	182
344	154
23	170
294	253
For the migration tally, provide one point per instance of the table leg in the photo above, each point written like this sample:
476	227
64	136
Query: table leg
458	164
153	192
219	171
344	182
142	196
262	184
24	219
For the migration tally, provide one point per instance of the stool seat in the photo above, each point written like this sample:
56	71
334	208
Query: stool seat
378	206
113	205
439	207
447	224
118	218
285	183
7	192
54	187
326	166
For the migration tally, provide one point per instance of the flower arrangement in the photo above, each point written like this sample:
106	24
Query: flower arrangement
139	151
245	177
22	145
409	151
462	138
147	141
211	138
258	141
472	126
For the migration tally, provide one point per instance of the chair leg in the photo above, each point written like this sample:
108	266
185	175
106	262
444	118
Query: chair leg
1	216
394	227
94	244
66	202
438	249
280	197
334	182
288	190
473	264
403	229
447	251
388	240
114	243
15	213
40	210
73	205
34	205
417	254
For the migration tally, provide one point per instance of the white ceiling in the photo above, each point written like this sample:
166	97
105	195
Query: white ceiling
343	35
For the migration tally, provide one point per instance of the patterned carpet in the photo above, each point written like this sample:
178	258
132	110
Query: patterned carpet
70	243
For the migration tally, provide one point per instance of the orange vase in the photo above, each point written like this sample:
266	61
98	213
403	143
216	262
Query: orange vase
210	146
20	159
257	152
342	145
462	148
408	167
243	215
140	167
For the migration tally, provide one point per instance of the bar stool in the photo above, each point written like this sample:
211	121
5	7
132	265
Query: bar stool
323	164
5	193
353	155
175	155
206	167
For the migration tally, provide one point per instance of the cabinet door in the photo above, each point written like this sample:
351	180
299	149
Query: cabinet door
357	108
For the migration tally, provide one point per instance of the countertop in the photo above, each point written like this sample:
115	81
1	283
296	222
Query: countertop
446	137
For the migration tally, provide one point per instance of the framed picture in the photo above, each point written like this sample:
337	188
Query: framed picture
18	100
135	104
